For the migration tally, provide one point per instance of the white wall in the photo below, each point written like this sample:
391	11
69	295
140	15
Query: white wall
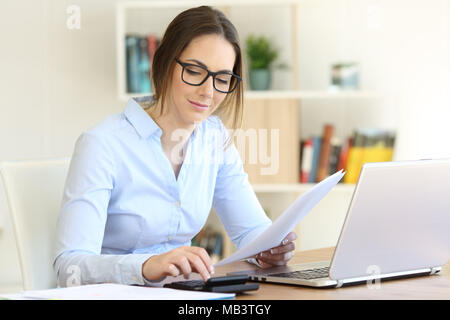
403	50
419	63
333	31
54	83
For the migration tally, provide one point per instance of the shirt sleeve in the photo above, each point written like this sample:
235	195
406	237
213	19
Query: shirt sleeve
82	219
235	200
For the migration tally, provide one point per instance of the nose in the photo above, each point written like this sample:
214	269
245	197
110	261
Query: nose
207	87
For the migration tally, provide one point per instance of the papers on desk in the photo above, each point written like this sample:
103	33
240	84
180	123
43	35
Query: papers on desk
110	291
273	235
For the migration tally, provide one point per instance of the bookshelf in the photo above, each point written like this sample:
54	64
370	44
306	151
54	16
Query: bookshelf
292	94
275	192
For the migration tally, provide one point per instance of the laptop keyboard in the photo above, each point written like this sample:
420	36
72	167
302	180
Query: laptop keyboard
304	274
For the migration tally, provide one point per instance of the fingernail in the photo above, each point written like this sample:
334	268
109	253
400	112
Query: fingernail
273	251
211	270
285	241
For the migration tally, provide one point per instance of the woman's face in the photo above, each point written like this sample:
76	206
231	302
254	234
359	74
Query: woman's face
190	105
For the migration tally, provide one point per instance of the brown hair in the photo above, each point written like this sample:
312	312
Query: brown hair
186	26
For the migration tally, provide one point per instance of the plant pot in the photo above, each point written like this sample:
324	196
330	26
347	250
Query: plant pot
259	79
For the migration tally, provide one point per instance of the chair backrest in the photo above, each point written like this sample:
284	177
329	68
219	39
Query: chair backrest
34	191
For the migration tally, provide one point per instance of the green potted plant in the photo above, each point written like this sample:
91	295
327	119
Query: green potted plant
260	54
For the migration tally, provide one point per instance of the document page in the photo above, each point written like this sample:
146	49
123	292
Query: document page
111	291
273	235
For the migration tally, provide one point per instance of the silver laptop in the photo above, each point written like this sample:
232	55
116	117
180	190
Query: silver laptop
397	225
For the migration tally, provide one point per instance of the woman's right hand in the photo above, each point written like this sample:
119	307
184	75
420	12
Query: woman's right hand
182	260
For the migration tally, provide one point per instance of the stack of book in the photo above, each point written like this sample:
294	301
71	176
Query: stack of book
139	55
323	155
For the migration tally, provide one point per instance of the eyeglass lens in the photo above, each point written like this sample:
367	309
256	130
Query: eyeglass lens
195	75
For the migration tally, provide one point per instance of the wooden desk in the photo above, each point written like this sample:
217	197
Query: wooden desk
427	287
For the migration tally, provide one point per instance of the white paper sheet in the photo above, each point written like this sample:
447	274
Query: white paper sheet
111	291
273	235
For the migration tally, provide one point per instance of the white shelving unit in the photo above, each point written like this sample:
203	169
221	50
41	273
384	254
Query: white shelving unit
321	227
292	94
137	9
296	188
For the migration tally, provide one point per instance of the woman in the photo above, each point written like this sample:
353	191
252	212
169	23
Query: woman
141	183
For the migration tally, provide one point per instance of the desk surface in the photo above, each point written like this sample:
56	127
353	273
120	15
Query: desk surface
426	287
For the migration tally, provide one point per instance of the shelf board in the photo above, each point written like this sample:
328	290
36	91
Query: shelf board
292	94
297	187
312	94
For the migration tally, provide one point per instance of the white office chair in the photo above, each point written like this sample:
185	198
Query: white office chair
34	191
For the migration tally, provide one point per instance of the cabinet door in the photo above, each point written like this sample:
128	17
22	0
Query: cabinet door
269	140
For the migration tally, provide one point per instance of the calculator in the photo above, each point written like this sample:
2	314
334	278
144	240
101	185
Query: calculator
225	284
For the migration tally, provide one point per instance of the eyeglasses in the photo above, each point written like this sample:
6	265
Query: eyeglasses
196	75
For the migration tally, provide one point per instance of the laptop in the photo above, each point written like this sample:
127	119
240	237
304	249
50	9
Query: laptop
397	225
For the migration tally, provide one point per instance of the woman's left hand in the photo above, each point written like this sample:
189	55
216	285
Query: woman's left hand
278	256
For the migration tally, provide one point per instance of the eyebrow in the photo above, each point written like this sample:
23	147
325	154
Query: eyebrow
204	65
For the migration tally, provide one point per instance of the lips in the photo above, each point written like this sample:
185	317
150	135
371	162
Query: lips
197	104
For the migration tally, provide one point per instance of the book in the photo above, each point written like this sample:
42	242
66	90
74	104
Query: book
300	158
355	157
374	148
139	57
132	57
307	154
365	145
144	66
335	151
153	43
317	143
343	156
324	158
390	141
369	145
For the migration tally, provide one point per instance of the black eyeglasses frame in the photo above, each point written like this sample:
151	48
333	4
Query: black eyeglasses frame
209	73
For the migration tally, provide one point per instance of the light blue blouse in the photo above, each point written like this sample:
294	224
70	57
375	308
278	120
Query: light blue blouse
122	203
